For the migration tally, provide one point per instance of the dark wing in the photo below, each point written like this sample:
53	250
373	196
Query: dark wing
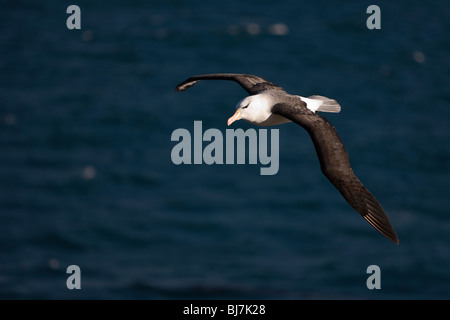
335	165
252	84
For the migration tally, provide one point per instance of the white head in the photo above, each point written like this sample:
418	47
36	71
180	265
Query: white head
254	109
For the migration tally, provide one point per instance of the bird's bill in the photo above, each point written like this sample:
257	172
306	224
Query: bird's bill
236	116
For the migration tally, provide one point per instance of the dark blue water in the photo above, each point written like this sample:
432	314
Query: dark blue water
86	175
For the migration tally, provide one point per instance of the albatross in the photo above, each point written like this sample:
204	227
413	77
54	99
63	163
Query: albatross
269	104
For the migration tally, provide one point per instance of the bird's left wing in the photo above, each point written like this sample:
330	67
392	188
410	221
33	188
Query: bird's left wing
252	84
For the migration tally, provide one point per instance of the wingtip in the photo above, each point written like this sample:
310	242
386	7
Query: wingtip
396	241
393	238
380	221
185	85
388	233
179	88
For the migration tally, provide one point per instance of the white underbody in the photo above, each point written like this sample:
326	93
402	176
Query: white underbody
272	120
256	109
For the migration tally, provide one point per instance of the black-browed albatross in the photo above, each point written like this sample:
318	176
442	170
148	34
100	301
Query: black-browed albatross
268	104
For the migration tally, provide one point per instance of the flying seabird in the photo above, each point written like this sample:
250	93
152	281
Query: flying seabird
268	104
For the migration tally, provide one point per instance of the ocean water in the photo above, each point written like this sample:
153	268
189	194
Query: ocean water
87	178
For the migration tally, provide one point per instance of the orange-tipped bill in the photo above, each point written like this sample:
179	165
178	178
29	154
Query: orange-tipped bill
236	116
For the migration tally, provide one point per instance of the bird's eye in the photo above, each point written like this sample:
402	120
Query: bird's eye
245	107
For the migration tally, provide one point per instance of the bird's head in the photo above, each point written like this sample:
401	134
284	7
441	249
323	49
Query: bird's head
254	109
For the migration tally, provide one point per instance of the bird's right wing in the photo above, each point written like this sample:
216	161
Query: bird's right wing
335	165
252	84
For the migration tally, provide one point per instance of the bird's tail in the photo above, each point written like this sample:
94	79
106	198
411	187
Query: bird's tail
326	104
